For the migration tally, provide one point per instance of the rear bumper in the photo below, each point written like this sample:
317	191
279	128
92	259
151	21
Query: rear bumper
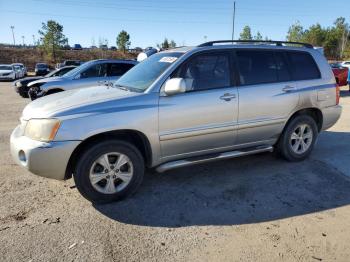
330	116
43	159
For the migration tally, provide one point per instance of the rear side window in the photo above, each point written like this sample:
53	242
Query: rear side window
282	68
303	66
97	70
118	69
256	67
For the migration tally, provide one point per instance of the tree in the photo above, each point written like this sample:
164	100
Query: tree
165	44
246	33
315	35
172	44
295	33
52	39
258	36
123	41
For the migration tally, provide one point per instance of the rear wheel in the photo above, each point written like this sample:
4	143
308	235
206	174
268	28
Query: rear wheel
298	138
109	171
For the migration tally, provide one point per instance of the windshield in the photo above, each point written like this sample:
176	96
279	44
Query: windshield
52	73
41	66
5	67
78	69
142	76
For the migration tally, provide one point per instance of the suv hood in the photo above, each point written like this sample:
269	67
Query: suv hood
76	102
5	71
46	80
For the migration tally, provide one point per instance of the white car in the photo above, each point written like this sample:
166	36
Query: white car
7	72
19	71
23	68
346	64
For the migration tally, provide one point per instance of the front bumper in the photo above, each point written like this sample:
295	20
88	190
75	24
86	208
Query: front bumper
10	77
330	116
43	159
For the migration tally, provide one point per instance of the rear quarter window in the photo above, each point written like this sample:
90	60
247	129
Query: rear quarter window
303	66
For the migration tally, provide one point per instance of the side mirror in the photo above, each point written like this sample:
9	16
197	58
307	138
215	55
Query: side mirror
175	86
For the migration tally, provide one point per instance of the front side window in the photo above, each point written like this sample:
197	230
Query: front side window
256	67
97	70
303	65
206	71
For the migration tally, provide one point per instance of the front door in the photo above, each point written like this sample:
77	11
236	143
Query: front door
204	118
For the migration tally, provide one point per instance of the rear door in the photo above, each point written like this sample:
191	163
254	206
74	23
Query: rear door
94	75
267	95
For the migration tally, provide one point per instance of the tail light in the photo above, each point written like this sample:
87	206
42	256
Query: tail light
337	94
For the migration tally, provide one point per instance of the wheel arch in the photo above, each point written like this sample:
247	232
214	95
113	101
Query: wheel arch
134	137
315	113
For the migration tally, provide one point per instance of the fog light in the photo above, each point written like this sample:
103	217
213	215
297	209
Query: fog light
22	156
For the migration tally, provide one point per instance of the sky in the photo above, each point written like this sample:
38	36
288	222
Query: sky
187	22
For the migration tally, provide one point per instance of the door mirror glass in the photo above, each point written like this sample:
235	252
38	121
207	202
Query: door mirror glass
175	86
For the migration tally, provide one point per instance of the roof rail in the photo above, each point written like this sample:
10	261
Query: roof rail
277	43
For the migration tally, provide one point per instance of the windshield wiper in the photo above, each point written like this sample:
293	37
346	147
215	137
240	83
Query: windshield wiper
127	88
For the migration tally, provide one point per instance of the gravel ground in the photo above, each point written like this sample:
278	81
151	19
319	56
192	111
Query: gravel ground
248	209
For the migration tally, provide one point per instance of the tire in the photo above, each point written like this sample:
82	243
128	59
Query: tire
101	191
23	94
288	146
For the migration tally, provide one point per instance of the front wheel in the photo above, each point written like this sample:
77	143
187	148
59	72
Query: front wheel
109	171
298	138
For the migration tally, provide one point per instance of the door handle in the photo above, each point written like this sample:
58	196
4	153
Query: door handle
288	88
227	97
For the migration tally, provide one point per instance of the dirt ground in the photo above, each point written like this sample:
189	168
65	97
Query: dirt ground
256	208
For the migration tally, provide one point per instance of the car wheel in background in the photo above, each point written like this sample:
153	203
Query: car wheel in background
109	171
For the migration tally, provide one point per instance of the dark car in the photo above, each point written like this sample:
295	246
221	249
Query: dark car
41	69
21	86
69	63
77	47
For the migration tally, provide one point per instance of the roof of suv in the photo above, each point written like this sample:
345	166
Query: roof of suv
246	44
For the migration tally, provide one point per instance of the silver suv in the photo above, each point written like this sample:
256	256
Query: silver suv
92	73
177	108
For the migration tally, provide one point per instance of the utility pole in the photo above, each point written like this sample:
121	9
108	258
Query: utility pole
233	19
13	35
23	39
33	40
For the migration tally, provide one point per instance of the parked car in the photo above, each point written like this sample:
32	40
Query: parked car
7	72
69	63
346	64
77	47
104	47
41	69
177	108
21	86
341	73
19	71
95	72
113	48
23	68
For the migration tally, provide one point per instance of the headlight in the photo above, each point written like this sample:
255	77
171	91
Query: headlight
42	129
18	84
